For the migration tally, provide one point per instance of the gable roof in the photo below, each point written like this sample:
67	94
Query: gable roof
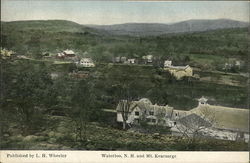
202	99
194	120
146	101
69	51
86	60
178	67
145	105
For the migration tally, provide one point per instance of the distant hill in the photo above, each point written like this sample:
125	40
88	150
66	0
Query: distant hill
145	29
46	35
48	26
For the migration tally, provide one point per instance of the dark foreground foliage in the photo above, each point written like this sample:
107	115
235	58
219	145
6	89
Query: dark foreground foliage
103	137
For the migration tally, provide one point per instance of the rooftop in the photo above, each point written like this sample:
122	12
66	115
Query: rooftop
145	104
194	120
203	99
86	60
178	67
69	51
225	117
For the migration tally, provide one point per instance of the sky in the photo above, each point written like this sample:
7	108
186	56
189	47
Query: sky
118	12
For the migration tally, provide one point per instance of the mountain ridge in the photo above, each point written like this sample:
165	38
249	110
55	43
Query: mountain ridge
192	25
131	29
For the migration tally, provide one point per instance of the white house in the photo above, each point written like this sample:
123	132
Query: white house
87	62
66	54
148	58
167	63
117	59
69	53
131	61
123	59
144	110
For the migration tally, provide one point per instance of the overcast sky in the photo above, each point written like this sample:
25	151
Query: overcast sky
116	12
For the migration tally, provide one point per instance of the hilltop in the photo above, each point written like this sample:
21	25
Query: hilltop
47	25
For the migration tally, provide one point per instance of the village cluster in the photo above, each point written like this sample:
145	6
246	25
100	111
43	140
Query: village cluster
177	71
70	55
205	120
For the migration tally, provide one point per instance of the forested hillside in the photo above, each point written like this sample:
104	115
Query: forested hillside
208	50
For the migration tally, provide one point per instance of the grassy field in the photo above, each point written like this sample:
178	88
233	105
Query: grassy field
224	78
206	61
181	94
184	94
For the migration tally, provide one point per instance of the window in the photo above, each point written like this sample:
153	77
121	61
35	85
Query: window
174	123
241	135
224	137
151	112
161	121
137	113
151	120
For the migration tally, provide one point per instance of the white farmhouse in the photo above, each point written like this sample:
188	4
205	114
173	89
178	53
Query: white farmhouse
117	59
66	54
167	63
144	110
87	62
123	59
148	58
131	61
69	53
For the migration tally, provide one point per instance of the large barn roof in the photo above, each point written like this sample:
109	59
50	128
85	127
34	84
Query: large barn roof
226	118
193	120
